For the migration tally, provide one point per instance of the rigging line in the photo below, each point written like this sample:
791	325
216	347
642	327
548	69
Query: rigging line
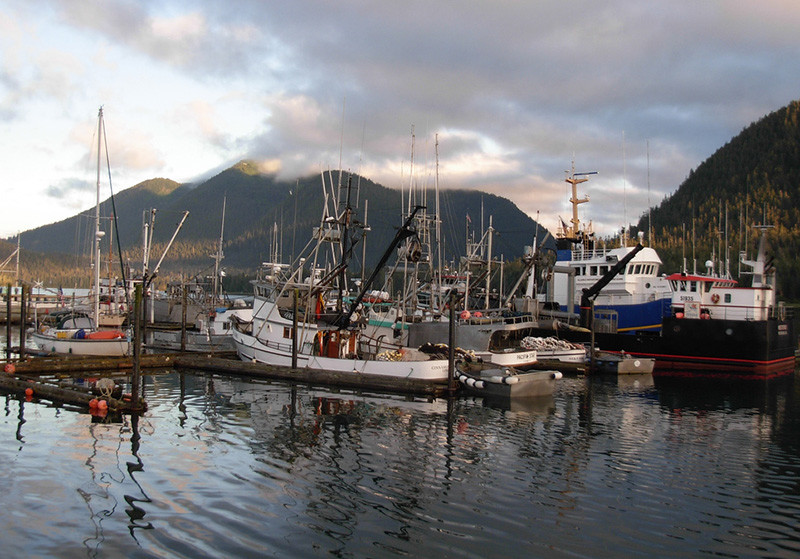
116	224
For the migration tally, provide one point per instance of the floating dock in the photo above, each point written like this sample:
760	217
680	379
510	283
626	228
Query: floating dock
28	373
325	378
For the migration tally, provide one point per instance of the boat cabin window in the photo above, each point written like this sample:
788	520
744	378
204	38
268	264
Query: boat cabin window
604	270
593	270
693	286
727	298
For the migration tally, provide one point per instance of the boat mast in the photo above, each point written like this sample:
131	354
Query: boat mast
97	233
574	233
218	256
439	245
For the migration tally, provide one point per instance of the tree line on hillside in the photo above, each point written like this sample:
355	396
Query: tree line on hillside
753	179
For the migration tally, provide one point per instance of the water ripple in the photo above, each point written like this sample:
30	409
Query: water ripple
222	466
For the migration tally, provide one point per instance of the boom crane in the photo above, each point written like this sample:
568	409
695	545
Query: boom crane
590	292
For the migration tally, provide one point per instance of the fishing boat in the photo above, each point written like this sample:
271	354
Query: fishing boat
490	380
719	325
198	315
211	331
716	328
75	332
635	300
303	320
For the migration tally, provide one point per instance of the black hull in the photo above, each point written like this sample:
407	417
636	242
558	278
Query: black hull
695	347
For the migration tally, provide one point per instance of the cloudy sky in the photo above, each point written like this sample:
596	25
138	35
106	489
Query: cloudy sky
639	91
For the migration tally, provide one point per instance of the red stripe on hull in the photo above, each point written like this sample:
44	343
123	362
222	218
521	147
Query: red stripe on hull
721	368
718	367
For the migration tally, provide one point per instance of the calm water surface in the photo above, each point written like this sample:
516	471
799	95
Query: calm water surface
222	467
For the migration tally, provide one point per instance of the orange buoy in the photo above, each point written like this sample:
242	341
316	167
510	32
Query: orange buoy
102	405
10	368
29	392
93	403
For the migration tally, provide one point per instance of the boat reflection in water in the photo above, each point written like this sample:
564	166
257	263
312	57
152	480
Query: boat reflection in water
221	466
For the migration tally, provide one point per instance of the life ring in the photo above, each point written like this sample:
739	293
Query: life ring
715	298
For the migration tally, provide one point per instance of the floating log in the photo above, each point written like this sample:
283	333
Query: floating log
306	376
62	364
58	394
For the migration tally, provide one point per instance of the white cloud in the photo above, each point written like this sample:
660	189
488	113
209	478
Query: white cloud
514	90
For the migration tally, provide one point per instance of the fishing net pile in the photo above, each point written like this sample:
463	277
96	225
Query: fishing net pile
548	344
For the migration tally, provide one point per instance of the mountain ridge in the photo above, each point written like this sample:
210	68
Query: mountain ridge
256	204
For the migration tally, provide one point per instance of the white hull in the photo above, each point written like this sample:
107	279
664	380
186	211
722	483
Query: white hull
564	355
516	358
251	348
116	347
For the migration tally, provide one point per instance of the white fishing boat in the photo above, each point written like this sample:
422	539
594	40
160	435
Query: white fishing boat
198	315
636	299
327	335
74	332
210	332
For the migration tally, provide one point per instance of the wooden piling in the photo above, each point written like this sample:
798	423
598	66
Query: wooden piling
8	321
23	320
137	345
184	301
451	351
294	329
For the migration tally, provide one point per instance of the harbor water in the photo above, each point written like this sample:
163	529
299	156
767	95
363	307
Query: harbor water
230	467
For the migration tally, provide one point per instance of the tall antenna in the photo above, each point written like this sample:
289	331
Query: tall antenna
649	205
341	143
624	195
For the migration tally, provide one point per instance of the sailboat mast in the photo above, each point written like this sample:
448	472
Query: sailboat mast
218	255
439	245
97	233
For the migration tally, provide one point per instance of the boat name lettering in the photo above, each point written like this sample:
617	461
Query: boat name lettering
687	298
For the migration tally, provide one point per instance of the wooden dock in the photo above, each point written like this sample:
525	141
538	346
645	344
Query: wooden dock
54	365
70	366
306	376
19	375
63	394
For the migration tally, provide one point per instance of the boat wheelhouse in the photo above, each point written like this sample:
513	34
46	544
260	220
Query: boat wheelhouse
636	299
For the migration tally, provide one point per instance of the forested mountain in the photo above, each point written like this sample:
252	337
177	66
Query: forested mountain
753	179
260	211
